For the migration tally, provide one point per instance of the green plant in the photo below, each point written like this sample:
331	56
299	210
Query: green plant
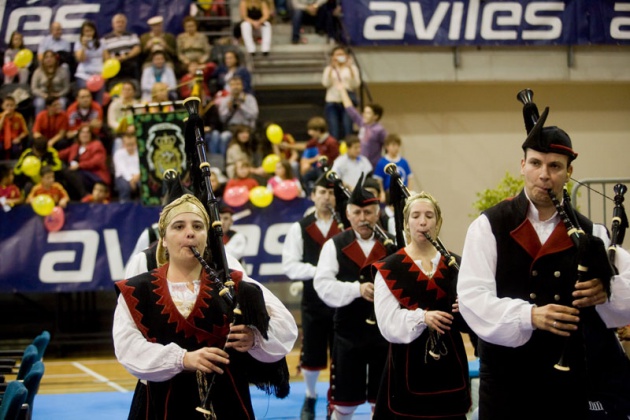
509	186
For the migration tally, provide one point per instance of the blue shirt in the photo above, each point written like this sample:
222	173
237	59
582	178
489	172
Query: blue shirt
403	169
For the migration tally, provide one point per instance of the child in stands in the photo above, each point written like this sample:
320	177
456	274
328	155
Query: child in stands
242	176
10	194
100	194
392	146
13	129
48	186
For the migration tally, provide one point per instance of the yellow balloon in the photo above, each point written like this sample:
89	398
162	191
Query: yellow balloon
116	90
43	204
31	166
23	58
111	67
260	196
205	4
269	163
274	133
343	148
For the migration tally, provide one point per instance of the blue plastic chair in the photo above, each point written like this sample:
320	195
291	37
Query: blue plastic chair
41	342
31	355
31	382
12	401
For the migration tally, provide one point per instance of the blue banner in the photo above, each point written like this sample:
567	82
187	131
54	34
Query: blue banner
90	252
486	22
33	17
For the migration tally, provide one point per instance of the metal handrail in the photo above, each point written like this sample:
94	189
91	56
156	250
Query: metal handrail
599	186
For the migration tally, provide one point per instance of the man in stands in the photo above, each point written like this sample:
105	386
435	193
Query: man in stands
124	46
84	111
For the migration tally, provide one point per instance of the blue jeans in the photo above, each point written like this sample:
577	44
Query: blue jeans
338	120
216	143
124	189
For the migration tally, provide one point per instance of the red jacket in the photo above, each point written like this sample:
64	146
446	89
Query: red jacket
93	159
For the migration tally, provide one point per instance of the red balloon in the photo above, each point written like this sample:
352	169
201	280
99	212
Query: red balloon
236	196
55	220
10	69
287	189
95	83
106	98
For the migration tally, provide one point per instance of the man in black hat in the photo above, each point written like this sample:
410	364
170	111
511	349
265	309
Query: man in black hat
517	290
343	281
300	255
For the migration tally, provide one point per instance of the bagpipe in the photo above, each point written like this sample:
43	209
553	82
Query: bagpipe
399	193
245	301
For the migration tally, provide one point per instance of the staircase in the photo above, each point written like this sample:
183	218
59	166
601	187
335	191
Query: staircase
288	81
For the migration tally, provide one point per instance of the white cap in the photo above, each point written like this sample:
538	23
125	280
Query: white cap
155	20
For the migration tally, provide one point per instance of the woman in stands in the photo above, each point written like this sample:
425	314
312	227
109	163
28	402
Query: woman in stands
16	43
86	163
50	79
231	67
90	55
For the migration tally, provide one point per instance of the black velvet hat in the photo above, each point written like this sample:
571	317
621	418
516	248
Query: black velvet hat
549	139
372	183
360	196
324	182
224	208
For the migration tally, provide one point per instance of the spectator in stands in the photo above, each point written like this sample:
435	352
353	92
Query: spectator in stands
47	155
235	242
13	129
84	111
99	195
55	43
238	108
16	43
158	71
192	45
255	16
242	147
127	168
352	165
49	186
309	12
10	194
392	155
50	80
120	113
160	94
283	172
89	53
125	47
371	132
320	144
196	82
231	67
51	124
158	40
341	68
242	176
217	181
86	161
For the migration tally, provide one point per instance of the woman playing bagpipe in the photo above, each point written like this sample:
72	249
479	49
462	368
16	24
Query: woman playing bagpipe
176	327
426	374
